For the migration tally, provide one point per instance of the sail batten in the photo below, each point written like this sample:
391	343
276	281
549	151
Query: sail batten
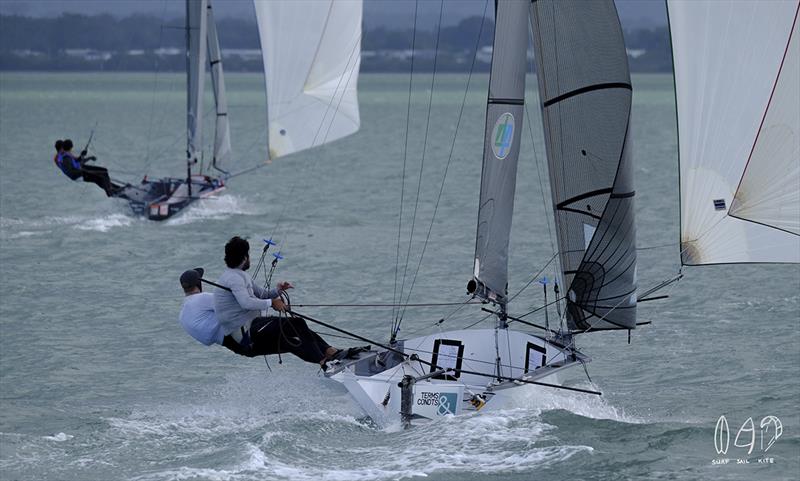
503	130
588	88
585	92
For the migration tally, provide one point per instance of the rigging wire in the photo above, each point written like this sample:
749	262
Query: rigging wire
308	166
425	304
424	151
155	86
449	157
403	176
536	160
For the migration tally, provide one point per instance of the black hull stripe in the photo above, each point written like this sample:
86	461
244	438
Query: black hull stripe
507	101
588	88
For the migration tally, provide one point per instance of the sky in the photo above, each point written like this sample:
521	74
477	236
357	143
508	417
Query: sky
392	14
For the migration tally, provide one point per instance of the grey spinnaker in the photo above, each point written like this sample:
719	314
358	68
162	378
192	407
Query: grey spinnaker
501	149
585	90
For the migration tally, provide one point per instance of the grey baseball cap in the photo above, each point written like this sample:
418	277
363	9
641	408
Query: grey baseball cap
191	278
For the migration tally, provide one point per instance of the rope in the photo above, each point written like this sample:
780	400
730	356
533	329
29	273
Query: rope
413	357
450	155
155	86
428	304
308	166
422	160
536	157
534	278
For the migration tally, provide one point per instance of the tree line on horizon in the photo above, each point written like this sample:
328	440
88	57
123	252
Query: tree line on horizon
28	43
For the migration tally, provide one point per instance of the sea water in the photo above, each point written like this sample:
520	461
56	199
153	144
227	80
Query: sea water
98	381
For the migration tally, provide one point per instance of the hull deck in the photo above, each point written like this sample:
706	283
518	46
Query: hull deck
373	380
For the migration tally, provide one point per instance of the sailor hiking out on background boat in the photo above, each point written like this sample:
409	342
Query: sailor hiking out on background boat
75	167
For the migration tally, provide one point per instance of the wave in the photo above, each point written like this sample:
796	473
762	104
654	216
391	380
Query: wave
214	208
14	228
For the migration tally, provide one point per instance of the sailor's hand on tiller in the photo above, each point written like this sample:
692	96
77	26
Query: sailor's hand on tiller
278	304
285	286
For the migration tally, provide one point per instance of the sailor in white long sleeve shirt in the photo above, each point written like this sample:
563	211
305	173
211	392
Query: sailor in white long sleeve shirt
239	306
245	301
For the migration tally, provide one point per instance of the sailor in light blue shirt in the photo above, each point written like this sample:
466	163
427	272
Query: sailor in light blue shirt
198	319
197	315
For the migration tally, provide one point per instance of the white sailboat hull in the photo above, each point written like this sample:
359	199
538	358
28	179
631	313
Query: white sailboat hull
376	388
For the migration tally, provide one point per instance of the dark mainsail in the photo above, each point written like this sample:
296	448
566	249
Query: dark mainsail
501	150
585	90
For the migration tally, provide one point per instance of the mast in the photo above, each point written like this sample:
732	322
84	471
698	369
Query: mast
504	108
196	22
222	133
585	90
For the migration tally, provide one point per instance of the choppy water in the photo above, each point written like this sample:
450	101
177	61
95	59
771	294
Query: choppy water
98	381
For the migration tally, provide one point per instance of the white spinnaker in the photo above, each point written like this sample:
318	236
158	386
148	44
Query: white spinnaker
727	55
769	192
312	53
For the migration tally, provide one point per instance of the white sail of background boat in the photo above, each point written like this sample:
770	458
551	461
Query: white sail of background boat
312	53
736	72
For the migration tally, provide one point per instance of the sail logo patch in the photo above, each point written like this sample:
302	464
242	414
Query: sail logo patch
503	135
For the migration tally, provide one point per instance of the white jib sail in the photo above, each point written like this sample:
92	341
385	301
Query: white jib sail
196	24
222	136
727	56
312	53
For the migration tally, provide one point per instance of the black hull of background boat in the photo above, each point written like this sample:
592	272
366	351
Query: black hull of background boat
163	198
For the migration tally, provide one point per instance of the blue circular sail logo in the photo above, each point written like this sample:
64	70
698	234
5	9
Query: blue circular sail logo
503	135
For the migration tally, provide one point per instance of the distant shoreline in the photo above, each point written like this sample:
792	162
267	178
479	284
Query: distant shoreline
101	43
